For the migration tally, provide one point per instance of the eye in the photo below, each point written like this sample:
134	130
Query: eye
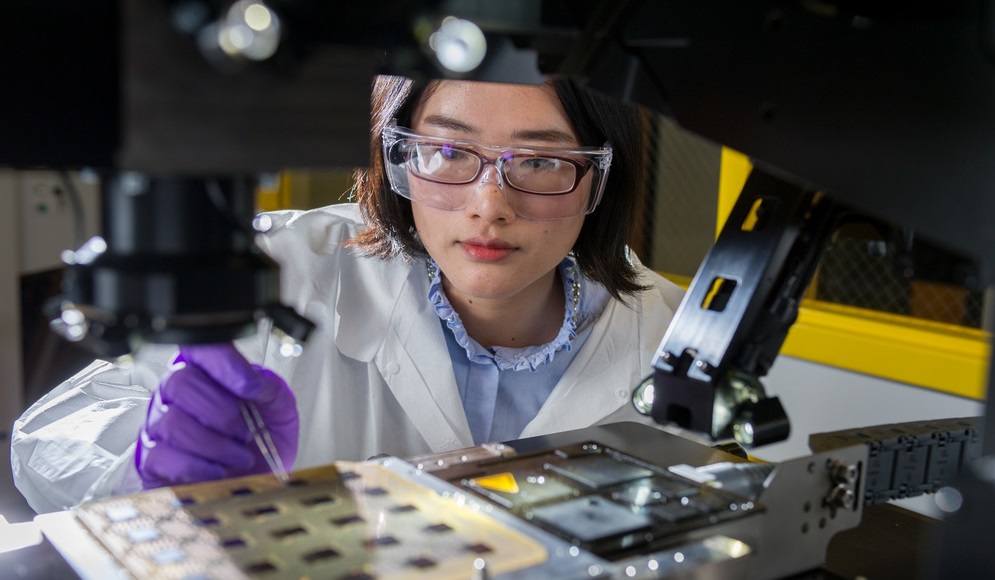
448	151
539	164
451	152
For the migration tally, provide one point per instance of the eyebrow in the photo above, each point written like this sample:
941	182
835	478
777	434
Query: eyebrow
443	122
551	135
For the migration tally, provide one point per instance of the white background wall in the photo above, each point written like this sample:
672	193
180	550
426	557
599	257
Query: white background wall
821	398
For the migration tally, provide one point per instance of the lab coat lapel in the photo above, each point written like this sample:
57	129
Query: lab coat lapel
418	370
401	334
600	379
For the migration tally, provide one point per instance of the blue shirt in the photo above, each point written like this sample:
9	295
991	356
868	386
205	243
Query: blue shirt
503	388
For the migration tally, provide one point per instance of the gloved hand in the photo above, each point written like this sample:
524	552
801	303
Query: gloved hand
194	429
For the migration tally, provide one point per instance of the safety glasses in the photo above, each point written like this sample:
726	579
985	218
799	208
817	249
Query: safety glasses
542	182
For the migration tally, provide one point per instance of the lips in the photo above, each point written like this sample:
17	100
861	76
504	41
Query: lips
486	250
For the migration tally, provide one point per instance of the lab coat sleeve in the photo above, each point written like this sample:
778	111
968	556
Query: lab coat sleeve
77	443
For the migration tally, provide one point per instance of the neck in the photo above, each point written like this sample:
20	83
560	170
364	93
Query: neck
531	318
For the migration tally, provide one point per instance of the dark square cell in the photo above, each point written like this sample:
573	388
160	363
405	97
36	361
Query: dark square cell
261	567
233	542
284	533
346	520
479	548
401	509
438	528
380	541
266	510
375	491
589	519
319	555
421	562
675	511
317	500
599	471
709	502
358	575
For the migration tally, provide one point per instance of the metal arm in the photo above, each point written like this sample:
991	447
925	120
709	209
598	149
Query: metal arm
737	312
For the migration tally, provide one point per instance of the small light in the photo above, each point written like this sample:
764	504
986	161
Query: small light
263	223
743	432
291	350
75	333
642	396
250	30
72	316
239	37
948	499
70	325
678	557
738	549
258	17
90	250
459	45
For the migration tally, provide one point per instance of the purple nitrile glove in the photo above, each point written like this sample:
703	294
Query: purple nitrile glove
194	429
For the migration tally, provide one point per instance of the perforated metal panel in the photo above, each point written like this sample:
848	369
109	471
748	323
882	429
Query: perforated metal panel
344	521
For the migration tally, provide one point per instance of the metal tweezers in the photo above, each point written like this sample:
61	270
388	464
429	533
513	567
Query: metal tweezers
261	435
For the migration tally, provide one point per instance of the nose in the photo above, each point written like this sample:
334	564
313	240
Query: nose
491	174
488	198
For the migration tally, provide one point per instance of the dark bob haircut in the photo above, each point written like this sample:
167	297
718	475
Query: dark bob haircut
601	249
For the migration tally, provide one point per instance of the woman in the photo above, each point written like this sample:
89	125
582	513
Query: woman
480	290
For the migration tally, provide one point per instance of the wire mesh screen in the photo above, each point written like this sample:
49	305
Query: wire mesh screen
680	216
901	275
880	269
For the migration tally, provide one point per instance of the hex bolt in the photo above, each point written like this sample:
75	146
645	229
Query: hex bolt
841	496
842	472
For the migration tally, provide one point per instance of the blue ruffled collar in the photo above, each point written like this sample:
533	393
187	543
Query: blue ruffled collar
507	358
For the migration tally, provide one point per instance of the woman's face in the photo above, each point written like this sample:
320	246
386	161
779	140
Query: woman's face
485	251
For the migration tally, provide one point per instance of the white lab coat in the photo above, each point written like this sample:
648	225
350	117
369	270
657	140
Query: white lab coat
375	376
